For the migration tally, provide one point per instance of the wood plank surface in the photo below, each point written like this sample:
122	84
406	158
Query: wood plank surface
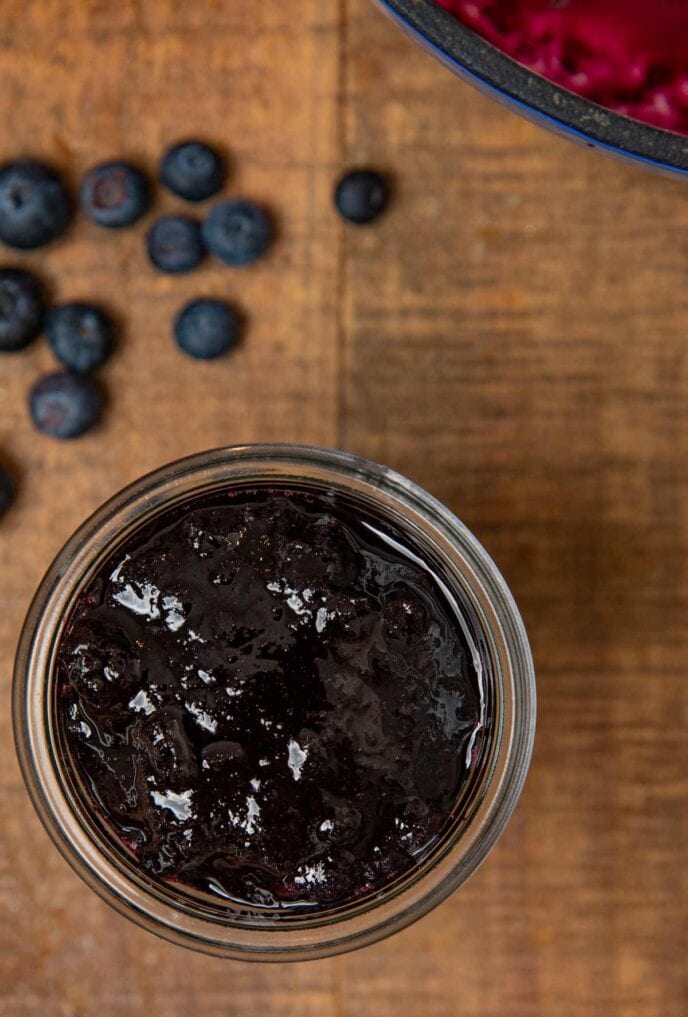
513	335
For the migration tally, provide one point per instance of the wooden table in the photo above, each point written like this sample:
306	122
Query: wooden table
514	337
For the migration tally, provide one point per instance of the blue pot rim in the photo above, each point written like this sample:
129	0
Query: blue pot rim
482	64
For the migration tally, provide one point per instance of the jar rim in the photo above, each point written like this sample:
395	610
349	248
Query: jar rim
390	492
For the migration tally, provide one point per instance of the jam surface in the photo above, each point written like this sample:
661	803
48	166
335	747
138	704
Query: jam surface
268	696
627	55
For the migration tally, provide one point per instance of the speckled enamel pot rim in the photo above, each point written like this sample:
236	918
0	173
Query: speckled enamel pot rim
491	71
215	929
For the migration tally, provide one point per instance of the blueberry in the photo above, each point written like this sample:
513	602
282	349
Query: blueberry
81	336
65	405
205	329
21	309
6	491
35	207
175	244
192	170
114	194
361	196
237	232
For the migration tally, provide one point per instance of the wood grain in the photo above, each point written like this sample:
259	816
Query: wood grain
513	335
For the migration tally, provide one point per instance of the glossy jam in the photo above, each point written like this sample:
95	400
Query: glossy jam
627	55
271	696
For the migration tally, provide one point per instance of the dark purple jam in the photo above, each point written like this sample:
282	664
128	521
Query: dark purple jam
269	696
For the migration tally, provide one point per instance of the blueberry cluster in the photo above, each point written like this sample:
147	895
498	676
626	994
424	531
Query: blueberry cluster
36	208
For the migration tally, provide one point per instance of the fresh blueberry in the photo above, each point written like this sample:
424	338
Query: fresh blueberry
361	196
205	328
81	336
192	170
34	204
6	491
237	232
175	244
114	194
65	405
21	309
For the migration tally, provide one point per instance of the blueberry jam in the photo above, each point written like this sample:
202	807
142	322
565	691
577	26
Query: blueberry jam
269	697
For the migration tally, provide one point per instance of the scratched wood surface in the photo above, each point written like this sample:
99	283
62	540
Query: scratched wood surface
513	336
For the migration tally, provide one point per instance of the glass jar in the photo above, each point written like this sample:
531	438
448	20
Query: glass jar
502	659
